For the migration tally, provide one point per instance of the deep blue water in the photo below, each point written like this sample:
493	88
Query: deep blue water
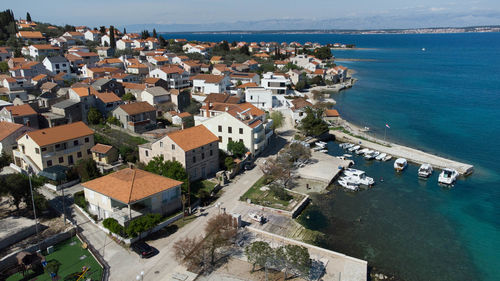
445	100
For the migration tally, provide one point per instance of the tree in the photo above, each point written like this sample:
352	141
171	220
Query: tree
224	46
124	30
229	163
28	16
145	34
19	189
244	50
5	160
221	231
189	251
102	30
259	253
155	35
294	258
169	169
277	118
237	148
87	169
313	124
300	85
162	41
278	170
323	53
128	97
94	116
194	107
297	151
112	40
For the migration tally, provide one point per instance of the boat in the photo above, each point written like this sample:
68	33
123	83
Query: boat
324	150
257	217
400	164
381	156
387	158
448	176
317	148
361	151
423	49
348	183
371	155
425	170
354	148
347	155
359	176
343	145
320	144
349	145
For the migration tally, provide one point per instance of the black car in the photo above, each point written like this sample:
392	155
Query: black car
143	249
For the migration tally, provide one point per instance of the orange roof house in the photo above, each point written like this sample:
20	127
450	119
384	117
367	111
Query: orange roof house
61	133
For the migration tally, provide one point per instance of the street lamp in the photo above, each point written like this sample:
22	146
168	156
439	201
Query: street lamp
30	170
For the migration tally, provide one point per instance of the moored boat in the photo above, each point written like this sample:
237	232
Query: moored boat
354	148
400	164
448	176
361	151
425	170
381	156
359	176
348	183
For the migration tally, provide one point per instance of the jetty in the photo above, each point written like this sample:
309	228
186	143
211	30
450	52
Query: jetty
400	151
324	167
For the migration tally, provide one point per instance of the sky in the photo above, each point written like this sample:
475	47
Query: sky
261	14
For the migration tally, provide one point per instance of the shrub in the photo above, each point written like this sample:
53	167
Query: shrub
113	226
79	198
141	224
52	266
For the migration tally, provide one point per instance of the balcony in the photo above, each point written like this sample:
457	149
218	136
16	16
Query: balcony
62	151
122	215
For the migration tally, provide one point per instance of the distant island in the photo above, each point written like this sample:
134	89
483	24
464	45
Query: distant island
492	28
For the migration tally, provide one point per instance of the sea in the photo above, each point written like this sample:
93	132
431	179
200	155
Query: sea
439	93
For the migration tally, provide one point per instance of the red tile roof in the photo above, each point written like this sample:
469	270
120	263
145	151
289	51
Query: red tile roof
7	128
137	107
193	137
21	110
101	148
61	133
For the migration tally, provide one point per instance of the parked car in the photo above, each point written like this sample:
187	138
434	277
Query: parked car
143	249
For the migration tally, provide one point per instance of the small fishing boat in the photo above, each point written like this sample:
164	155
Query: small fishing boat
425	171
400	164
358	176
448	176
381	156
348	183
349	145
361	151
387	158
371	154
354	148
321	144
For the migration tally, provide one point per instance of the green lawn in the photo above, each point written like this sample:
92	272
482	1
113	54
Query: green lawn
267	198
72	257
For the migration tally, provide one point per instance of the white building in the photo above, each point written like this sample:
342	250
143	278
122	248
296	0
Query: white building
92	35
105	39
239	123
123	44
277	83
265	99
209	83
57	64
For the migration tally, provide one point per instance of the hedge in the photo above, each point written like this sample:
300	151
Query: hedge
113	226
141	224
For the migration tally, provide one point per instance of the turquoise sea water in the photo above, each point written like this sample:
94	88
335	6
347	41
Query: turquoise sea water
445	100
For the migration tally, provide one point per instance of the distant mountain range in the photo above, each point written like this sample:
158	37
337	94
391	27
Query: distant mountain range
344	25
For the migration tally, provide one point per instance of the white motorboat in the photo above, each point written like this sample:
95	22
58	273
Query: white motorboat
371	155
400	164
387	158
349	145
448	176
316	148
342	145
381	156
361	151
425	171
354	148
359	176
347	155
321	144
348	183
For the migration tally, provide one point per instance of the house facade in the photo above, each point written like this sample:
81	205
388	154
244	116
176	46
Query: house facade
9	132
136	117
196	148
62	145
209	83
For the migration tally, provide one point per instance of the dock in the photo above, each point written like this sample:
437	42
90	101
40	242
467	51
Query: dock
410	154
324	167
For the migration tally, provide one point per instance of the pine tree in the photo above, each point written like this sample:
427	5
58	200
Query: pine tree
112	41
124	30
154	33
28	17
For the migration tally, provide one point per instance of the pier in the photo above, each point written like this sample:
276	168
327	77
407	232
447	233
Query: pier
410	154
324	167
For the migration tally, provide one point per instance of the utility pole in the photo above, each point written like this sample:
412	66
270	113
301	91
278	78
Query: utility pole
34	208
64	206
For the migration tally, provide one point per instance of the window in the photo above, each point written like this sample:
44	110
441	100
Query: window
44	149
241	140
229	139
88	152
173	146
194	159
220	139
174	159
75	142
241	131
161	144
230	130
87	140
79	154
202	155
220	128
49	163
146	152
37	150
211	152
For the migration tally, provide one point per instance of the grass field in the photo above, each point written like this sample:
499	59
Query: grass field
267	198
72	257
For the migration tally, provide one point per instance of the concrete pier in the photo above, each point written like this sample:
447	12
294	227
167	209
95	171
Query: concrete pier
324	168
410	154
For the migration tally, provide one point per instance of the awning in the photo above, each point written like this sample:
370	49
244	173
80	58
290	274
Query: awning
55	173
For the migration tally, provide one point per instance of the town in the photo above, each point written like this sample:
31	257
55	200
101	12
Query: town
195	156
